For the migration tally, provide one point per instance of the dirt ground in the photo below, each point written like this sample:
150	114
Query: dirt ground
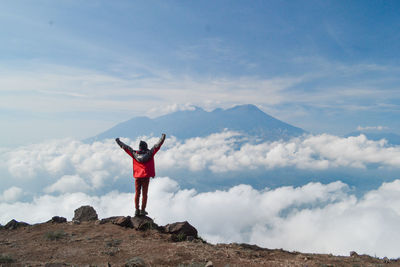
94	244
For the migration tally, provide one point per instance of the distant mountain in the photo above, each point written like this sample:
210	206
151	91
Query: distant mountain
246	119
392	138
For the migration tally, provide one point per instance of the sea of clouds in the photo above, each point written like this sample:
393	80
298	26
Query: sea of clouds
58	176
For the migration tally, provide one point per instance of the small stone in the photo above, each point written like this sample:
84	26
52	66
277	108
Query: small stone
209	264
353	254
190	238
135	262
386	260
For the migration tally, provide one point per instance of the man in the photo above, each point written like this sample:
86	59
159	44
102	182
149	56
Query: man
143	169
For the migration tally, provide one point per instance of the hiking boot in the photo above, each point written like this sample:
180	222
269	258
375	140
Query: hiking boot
137	213
143	213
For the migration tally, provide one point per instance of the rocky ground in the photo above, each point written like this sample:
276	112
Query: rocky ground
126	241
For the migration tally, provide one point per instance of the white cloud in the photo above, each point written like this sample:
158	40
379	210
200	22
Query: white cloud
311	218
67	89
100	163
44	207
12	194
94	163
166	109
68	184
218	153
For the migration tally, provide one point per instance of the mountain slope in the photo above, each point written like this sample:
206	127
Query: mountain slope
247	119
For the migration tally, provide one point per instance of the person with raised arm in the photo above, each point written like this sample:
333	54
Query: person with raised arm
143	170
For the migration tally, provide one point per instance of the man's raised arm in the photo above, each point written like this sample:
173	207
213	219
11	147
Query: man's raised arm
125	147
161	141
158	145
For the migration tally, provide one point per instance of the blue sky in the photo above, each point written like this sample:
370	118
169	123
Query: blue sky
76	68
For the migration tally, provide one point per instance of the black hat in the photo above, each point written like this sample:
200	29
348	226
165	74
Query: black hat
142	145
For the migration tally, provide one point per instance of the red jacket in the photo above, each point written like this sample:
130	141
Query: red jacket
143	160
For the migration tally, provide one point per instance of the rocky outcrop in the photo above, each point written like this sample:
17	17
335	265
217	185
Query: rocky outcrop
108	220
181	231
85	213
57	219
13	224
138	222
124	221
143	223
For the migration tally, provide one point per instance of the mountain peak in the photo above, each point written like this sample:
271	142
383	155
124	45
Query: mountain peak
247	119
247	107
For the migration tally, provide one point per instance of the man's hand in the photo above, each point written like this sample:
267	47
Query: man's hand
117	140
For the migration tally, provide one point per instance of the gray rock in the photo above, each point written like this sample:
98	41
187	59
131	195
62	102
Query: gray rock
209	264
108	220
353	254
143	223
13	224
123	221
85	213
182	229
57	219
135	262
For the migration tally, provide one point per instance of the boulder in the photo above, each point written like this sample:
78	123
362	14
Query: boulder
123	221
143	223
57	219
13	224
181	229
85	213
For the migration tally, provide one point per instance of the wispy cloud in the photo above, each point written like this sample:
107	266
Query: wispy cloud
56	87
366	128
11	194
